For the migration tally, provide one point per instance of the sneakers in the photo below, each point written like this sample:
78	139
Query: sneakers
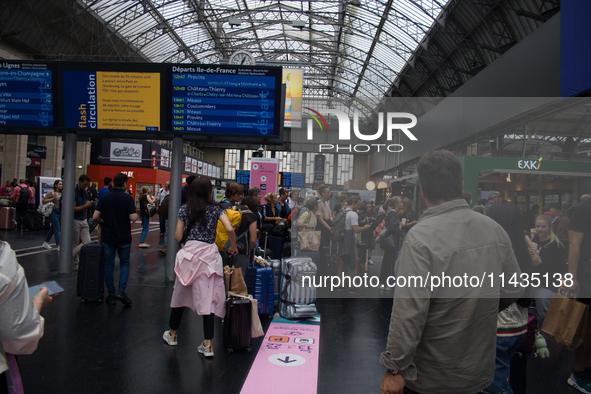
163	250
111	299
580	382
207	351
144	245
121	296
170	339
46	245
58	248
370	262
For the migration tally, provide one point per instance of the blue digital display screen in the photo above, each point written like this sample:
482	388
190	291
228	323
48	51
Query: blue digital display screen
26	95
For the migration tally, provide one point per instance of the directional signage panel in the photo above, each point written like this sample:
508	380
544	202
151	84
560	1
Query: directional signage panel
287	358
26	94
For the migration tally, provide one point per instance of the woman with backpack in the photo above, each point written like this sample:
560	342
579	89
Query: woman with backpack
145	199
199	283
54	196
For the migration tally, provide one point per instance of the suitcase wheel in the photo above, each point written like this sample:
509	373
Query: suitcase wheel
230	350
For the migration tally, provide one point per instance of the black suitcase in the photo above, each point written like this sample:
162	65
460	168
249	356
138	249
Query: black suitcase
237	324
91	272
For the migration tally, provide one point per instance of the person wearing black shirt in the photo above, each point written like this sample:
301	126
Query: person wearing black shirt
81	231
115	211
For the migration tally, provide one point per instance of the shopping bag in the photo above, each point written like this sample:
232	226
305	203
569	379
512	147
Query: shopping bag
310	240
566	321
234	280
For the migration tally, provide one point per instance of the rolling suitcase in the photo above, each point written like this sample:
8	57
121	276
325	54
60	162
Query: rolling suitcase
276	265
91	272
7	218
260	282
298	293
237	324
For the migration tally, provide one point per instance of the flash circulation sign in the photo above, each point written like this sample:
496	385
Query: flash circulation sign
26	94
116	100
225	100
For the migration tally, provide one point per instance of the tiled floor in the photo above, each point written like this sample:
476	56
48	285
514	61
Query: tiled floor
97	348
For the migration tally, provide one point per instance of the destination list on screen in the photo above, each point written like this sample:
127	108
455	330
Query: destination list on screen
26	95
223	100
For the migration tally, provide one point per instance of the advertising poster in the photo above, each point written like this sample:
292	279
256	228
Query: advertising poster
205	168
45	185
125	152
112	100
194	166
209	170
187	164
264	174
164	158
293	78
219	172
200	167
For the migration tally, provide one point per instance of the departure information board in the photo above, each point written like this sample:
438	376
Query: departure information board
26	94
116	100
292	179
225	100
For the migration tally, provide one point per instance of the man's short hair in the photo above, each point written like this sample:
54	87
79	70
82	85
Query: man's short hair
467	196
108	181
84	178
21	181
120	180
353	200
493	194
190	179
322	189
253	191
440	175
234	189
311	203
282	192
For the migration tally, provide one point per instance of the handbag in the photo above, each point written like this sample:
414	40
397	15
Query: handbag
46	209
566	321
235	280
279	230
151	208
310	240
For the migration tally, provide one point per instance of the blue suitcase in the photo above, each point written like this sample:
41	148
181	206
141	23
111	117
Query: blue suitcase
260	282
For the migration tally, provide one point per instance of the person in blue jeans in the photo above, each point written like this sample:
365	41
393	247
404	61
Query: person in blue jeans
145	199
115	211
54	196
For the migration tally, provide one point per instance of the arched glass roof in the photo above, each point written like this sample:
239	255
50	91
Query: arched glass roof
350	49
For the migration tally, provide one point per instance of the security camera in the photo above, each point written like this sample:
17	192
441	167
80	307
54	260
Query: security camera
261	150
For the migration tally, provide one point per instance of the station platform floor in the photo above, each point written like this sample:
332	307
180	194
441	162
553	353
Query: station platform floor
99	348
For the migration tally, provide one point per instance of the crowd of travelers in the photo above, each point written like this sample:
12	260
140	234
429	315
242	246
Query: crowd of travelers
436	343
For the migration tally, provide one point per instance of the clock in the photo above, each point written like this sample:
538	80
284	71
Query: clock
242	58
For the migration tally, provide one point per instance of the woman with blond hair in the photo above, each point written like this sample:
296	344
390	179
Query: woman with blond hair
145	199
548	257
